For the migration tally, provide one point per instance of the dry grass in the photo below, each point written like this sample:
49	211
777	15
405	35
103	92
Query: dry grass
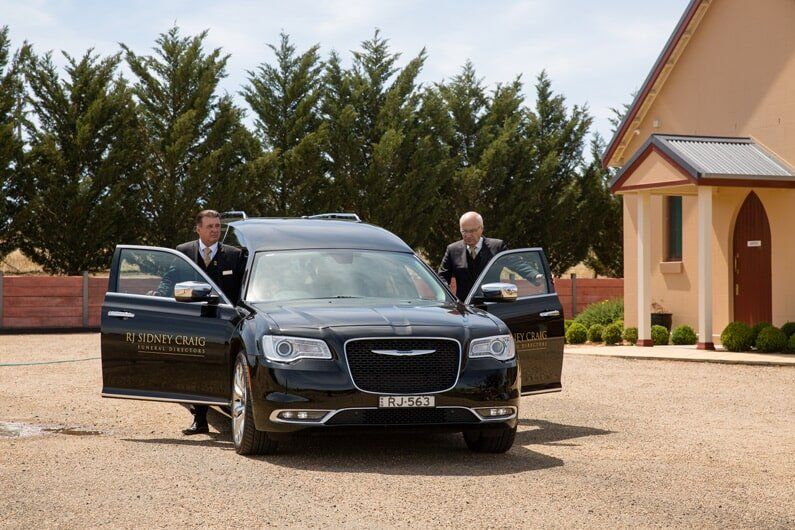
18	263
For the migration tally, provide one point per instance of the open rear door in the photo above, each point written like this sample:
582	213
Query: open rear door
535	318
156	348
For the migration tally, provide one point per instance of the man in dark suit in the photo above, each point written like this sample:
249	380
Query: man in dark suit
225	266
464	260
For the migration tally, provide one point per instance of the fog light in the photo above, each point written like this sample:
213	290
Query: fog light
302	415
496	412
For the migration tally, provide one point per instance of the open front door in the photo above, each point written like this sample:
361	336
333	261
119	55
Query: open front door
535	318
156	348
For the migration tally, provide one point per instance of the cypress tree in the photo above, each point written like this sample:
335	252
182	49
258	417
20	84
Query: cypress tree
290	175
12	96
82	172
198	149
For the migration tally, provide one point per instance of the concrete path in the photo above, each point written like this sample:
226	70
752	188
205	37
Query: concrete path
683	353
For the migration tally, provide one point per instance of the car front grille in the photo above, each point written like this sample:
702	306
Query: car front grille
419	416
403	374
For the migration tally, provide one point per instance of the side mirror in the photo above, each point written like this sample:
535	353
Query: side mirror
194	292
499	292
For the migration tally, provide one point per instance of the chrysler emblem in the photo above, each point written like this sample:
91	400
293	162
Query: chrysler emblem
403	352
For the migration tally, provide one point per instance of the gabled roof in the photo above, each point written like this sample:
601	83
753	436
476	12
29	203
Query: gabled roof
713	160
659	73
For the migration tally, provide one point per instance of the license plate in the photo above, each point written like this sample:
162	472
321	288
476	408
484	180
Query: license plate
406	401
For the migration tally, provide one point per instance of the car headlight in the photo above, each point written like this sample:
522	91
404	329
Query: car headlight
499	346
283	349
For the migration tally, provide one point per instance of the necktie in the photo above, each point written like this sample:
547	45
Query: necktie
473	251
207	251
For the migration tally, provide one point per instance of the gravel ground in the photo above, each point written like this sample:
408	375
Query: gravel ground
627	443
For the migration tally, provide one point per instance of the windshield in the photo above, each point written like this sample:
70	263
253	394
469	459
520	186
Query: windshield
324	274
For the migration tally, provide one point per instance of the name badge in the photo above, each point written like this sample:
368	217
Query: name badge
226	273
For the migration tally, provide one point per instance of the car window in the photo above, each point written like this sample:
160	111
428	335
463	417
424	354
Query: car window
153	272
316	274
525	269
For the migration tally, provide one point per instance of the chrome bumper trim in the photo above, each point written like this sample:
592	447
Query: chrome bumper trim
331	413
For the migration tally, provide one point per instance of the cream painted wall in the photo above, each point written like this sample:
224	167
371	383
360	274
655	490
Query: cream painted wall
735	78
655	170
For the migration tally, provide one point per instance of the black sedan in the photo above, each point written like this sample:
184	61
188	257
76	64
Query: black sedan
339	326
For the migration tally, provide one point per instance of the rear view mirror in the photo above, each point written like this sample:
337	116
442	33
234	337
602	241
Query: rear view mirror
194	292
499	292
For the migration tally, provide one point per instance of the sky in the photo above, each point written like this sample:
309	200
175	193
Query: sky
596	53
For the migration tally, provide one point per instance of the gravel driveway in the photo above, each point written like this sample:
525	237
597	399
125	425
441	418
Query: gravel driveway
627	443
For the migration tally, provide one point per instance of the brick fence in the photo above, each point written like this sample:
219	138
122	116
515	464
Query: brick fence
60	302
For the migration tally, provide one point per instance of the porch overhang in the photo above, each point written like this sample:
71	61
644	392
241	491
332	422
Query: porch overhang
684	162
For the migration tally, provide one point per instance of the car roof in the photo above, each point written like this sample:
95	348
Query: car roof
297	233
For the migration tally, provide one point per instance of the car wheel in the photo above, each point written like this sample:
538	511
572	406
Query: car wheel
248	440
490	441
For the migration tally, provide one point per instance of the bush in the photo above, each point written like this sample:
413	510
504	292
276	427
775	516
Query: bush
791	343
683	335
595	333
737	337
577	334
659	335
612	334
788	329
759	326
604	313
631	335
771	339
566	324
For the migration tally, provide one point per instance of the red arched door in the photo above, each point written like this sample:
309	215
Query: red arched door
753	286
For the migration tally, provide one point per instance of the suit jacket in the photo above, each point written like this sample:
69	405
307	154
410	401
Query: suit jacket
226	270
456	263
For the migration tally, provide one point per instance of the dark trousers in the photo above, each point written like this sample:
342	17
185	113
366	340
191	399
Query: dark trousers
199	412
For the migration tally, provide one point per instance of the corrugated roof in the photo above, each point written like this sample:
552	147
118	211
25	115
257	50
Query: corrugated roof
725	156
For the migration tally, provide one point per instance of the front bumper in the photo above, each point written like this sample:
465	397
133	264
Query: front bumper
327	386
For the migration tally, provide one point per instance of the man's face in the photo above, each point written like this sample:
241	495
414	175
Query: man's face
471	230
209	230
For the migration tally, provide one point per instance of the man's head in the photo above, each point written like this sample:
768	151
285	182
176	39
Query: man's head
208	226
471	224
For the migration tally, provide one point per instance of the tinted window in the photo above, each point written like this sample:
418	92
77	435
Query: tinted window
153	272
524	269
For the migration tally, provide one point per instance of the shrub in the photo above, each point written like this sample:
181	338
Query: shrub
736	337
631	335
604	313
566	324
659	335
620	323
788	328
612	334
791	343
595	333
771	339
577	334
759	326
683	335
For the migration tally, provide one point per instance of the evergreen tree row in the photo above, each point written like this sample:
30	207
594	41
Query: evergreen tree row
89	159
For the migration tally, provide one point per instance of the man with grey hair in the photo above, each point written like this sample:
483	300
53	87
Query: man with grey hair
464	260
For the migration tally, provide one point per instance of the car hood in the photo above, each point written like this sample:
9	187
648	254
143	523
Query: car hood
317	315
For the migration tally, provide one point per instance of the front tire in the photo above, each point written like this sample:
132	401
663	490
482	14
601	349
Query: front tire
490	441
248	440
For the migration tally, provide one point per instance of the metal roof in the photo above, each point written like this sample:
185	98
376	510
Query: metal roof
293	234
709	157
726	157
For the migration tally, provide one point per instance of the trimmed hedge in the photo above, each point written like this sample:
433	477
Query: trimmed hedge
771	339
791	343
604	313
737	337
659	335
788	328
566	324
630	335
756	328
683	335
577	334
612	334
595	333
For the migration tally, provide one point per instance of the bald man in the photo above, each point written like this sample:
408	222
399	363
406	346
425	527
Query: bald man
464	260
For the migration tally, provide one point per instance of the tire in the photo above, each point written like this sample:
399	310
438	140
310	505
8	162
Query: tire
490	442
247	439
